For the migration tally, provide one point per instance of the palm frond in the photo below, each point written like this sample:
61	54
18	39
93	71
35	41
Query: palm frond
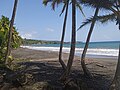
86	22
97	3
80	8
106	18
118	22
102	19
45	2
63	9
55	2
65	5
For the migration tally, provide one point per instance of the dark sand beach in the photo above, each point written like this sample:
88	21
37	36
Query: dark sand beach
44	66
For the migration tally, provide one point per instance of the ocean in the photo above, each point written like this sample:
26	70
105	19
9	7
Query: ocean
96	49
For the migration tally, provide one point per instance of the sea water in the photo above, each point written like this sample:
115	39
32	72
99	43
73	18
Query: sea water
96	49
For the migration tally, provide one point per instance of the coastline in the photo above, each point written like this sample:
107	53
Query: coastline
39	55
91	52
26	53
103	69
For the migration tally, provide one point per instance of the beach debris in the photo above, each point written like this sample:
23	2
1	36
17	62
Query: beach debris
100	65
89	63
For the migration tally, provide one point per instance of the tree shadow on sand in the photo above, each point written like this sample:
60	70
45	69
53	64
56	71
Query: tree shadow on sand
42	71
51	71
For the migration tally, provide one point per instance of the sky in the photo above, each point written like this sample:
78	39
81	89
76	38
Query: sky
35	21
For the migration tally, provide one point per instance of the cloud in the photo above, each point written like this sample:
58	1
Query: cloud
107	37
28	35
50	29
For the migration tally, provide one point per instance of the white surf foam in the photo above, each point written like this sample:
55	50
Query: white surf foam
90	51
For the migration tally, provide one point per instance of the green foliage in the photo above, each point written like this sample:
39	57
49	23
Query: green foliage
53	2
31	41
102	4
16	39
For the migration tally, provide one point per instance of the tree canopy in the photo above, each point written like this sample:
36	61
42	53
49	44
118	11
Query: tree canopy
4	29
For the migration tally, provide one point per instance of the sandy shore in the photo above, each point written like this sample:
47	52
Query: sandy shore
103	68
100	65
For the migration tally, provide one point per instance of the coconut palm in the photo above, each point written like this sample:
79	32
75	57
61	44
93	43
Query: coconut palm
116	82
72	50
86	71
63	36
8	52
98	4
66	3
73	42
113	16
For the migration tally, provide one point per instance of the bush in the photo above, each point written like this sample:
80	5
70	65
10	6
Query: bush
16	39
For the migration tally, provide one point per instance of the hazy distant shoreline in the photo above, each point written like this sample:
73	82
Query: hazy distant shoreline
34	41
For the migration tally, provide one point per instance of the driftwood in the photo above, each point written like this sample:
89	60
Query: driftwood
100	65
89	63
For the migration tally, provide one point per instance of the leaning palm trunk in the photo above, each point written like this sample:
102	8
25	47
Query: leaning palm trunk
73	42
86	71
62	38
8	52
116	82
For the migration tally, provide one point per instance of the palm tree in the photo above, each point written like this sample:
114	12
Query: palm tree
8	52
114	16
86	71
73	42
63	36
96	4
66	4
116	82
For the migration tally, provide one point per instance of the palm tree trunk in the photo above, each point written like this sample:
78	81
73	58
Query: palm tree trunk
62	38
73	42
86	71
8	52
116	81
